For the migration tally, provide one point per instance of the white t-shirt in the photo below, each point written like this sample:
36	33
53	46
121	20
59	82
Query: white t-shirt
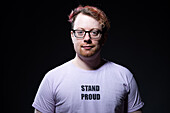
69	89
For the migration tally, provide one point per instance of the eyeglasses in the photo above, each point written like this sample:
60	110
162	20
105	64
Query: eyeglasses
93	33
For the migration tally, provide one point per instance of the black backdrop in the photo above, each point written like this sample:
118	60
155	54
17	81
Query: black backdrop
35	38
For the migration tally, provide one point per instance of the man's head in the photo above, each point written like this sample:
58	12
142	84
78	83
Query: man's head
93	12
89	29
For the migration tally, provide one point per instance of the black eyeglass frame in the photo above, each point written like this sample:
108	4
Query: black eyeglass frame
99	31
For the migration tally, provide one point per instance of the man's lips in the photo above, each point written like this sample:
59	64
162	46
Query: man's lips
87	47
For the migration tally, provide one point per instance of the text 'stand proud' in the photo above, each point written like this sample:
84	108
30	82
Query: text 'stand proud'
90	92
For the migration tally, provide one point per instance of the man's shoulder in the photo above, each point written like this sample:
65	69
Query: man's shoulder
59	70
62	66
117	67
119	70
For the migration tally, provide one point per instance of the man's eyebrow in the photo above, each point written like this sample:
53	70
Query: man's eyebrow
79	28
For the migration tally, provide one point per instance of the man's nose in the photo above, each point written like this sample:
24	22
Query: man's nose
87	37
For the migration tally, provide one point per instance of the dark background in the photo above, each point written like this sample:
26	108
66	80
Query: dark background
35	38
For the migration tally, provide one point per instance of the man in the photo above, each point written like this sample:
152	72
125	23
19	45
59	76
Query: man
88	83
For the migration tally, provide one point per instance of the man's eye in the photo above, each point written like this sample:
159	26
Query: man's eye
80	32
94	32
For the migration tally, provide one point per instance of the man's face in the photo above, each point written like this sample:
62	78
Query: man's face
86	46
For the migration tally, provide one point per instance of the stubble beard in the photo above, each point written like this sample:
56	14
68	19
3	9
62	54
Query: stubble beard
89	53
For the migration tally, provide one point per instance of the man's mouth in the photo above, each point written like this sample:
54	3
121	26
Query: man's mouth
87	47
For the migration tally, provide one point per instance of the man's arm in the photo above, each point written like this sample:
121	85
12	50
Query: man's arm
36	111
138	111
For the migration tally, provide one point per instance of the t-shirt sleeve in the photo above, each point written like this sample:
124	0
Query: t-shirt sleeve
44	101
134	99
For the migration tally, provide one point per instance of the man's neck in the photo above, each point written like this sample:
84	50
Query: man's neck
88	63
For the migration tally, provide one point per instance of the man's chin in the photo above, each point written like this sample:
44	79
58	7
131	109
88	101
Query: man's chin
87	53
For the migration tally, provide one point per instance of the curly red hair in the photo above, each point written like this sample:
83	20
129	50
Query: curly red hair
93	12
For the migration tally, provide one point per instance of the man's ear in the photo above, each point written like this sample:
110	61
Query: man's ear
105	35
72	36
71	33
